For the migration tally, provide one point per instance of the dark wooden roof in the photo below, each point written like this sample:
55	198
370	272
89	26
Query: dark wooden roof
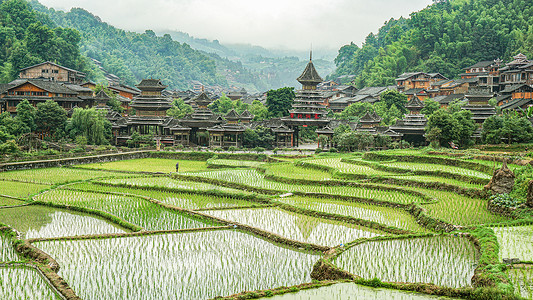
232	115
310	75
49	86
54	64
414	104
151	84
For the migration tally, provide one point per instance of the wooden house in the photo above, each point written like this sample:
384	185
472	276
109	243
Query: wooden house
51	71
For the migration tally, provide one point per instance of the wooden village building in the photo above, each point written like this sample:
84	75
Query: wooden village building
53	72
412	126
308	108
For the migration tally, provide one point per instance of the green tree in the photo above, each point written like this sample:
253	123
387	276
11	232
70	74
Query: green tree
392	97
91	124
259	137
430	106
222	105
280	101
464	128
50	118
25	117
259	111
179	109
355	111
445	122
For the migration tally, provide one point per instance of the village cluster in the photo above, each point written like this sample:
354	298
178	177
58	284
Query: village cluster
510	84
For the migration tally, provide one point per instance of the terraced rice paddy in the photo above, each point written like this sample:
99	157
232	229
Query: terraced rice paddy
36	221
289	170
296	226
235	163
442	260
24	283
522	280
7	253
380	214
4	201
132	209
344	167
352	291
437	168
166	182
208	264
255	179
20	189
184	200
458	209
515	242
204	262
54	175
153	165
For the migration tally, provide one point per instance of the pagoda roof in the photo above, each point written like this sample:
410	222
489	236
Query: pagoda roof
232	115
368	118
310	75
151	84
376	117
202	98
102	95
414	103
246	115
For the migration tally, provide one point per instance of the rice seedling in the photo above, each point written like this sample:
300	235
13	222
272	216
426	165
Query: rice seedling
296	226
351	291
132	209
522	280
183	200
441	260
166	182
44	222
150	165
235	163
194	265
20	189
427	178
289	170
515	242
380	214
10	202
255	179
344	167
436	168
54	175
7	253
24	283
458	209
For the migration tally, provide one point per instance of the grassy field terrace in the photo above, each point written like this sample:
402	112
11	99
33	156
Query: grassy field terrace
402	224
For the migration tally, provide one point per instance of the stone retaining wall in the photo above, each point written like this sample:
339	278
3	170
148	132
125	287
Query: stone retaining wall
73	161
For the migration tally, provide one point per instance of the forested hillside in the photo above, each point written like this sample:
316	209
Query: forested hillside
28	37
444	37
133	56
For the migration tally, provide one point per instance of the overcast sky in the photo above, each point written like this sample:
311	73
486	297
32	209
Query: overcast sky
293	24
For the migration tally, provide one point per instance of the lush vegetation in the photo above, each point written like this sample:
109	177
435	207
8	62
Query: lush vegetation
29	37
444	37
